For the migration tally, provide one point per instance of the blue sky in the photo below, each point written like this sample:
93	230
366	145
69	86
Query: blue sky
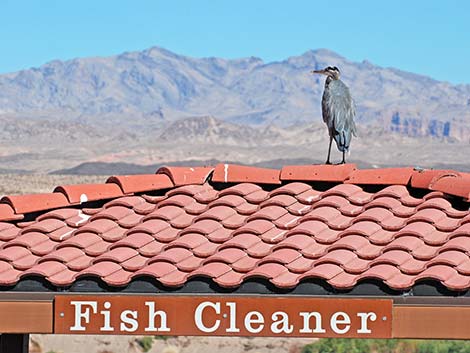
427	37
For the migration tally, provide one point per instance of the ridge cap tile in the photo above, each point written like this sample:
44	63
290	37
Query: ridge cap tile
7	213
142	182
233	173
80	193
423	179
186	175
35	202
381	176
317	172
456	186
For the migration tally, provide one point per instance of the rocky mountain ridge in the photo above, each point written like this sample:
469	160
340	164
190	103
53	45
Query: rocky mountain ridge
155	106
156	86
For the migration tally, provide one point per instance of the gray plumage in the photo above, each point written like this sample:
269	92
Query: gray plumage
338	111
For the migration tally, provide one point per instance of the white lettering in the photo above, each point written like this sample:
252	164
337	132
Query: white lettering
340	318
306	328
364	317
254	317
198	316
233	318
129	321
152	315
79	315
107	318
281	323
107	315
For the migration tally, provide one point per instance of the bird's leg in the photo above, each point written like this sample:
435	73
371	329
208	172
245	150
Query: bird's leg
329	151
344	160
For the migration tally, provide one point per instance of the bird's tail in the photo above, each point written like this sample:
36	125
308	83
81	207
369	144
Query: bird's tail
343	140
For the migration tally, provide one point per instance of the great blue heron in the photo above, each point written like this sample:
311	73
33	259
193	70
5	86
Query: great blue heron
338	110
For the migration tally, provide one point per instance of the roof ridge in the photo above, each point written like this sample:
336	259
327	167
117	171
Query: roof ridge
450	182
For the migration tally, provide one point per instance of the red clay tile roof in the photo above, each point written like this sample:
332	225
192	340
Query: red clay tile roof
234	224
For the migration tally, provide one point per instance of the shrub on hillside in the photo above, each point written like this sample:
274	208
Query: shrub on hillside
344	345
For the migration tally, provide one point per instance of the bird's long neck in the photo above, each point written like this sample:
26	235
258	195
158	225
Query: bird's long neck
331	78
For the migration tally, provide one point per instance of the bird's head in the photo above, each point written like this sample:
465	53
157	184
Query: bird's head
330	71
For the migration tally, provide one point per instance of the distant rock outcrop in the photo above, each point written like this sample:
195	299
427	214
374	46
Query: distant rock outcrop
209	130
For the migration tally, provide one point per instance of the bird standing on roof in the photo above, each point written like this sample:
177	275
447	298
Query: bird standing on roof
338	110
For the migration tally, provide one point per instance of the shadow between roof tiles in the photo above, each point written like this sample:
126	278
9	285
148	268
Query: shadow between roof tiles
317	185
457	202
30	217
322	186
253	286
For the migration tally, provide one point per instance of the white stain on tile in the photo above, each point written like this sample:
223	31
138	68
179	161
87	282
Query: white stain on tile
65	234
83	198
83	218
225	172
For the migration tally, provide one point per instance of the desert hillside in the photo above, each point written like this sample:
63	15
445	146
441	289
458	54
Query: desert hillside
154	107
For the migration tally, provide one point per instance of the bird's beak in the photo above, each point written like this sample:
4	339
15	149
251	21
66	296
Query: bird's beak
323	72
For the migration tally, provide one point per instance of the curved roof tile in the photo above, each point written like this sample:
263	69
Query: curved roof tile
243	224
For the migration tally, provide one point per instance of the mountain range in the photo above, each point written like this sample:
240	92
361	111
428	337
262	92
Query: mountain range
155	106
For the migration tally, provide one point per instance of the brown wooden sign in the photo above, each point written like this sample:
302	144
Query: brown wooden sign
223	316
